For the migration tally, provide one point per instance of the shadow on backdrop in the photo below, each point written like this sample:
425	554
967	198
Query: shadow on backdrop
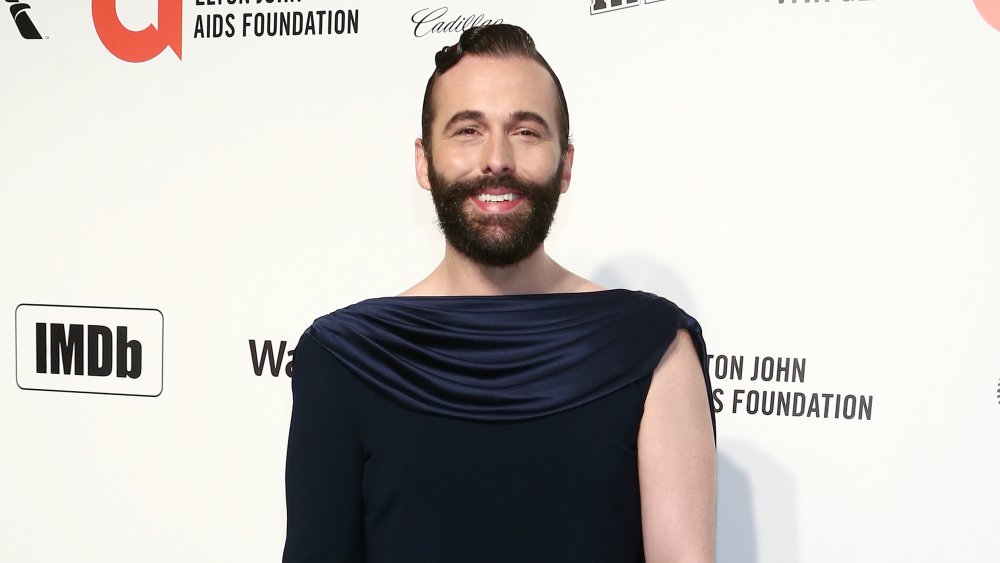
735	533
632	271
765	532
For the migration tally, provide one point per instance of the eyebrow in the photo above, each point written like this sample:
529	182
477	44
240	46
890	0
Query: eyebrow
531	116
465	115
473	115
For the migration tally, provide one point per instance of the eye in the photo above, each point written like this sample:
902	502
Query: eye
525	133
466	131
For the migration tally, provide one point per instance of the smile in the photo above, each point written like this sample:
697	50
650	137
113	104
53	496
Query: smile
496	198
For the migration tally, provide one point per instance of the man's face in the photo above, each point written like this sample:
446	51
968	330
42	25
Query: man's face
497	169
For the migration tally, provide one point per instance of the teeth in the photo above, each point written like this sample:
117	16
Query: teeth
494	198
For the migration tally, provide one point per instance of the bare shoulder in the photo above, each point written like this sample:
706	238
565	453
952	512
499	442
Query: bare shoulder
430	285
677	397
587	285
680	353
676	451
574	283
680	364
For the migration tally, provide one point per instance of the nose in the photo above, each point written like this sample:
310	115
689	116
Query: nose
498	156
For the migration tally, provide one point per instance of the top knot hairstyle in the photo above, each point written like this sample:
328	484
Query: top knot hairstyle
502	41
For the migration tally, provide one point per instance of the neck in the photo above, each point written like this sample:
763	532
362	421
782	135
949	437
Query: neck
457	274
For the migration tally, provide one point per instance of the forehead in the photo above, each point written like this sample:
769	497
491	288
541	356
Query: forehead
495	86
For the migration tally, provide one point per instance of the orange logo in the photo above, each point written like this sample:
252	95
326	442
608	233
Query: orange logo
139	46
990	10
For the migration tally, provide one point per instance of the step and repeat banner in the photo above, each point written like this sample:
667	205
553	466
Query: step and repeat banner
186	184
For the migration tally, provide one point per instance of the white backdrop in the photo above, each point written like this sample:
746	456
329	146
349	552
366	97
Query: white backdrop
815	182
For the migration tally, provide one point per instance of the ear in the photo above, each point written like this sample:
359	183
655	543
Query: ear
420	163
567	171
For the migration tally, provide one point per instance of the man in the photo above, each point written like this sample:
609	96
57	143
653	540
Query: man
503	409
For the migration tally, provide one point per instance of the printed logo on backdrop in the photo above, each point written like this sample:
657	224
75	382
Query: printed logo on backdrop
143	45
19	11
271	358
106	350
603	6
218	20
437	20
776	387
990	10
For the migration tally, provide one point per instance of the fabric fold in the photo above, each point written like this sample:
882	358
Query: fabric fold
504	358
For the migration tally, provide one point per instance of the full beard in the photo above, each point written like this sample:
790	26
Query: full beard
500	239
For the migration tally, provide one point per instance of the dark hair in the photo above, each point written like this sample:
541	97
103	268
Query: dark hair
500	40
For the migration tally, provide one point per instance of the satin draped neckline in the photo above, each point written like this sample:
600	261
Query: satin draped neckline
503	358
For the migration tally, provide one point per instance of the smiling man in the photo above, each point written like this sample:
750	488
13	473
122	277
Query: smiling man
496	177
502	409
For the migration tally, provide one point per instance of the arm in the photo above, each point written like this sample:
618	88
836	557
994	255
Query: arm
677	461
324	467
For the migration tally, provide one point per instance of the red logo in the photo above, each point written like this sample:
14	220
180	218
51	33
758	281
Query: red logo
139	46
990	10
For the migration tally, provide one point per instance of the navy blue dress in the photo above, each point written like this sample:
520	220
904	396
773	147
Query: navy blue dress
474	449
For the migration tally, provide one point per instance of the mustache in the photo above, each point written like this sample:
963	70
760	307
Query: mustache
464	188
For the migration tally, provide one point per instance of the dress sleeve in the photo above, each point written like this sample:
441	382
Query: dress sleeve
325	461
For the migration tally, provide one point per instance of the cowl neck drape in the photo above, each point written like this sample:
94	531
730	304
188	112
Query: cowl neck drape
504	358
